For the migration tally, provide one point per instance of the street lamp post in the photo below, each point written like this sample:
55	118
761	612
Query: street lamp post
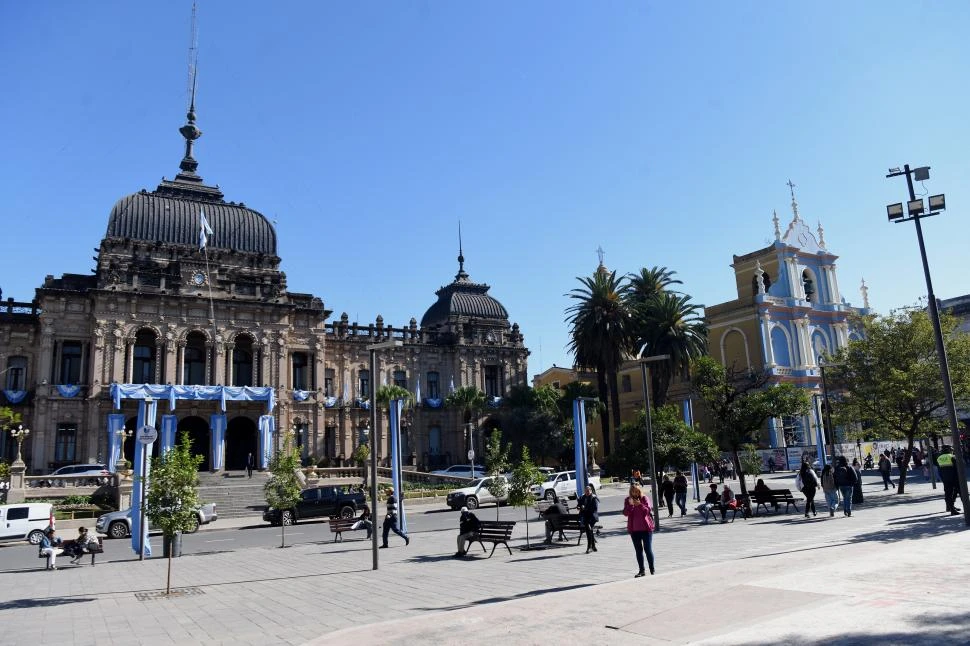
825	398
391	343
644	373
20	434
916	209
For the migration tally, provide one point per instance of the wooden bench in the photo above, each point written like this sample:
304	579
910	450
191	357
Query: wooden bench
773	497
91	548
340	525
496	532
742	507
568	523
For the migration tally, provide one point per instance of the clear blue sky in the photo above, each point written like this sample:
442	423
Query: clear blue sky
664	132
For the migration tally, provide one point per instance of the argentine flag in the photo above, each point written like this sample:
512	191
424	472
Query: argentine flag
204	230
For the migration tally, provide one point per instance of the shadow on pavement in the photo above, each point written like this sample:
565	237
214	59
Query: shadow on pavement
929	629
23	604
521	595
902	529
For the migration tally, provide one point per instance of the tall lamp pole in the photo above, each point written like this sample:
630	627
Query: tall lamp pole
644	373
393	343
916	209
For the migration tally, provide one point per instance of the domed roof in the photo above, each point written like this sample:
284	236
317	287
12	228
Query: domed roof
166	218
172	212
464	298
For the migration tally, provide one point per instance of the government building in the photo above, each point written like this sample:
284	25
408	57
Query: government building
175	307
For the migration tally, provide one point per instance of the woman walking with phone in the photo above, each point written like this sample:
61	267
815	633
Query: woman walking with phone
640	526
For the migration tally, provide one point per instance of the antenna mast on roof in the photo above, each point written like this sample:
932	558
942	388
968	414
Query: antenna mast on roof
193	56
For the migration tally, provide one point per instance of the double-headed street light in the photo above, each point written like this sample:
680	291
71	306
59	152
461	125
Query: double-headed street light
20	434
917	211
391	343
644	372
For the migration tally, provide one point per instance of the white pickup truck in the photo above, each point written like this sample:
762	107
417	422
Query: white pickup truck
563	483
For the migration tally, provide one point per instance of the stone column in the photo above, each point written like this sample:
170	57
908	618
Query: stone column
159	355
230	355
180	362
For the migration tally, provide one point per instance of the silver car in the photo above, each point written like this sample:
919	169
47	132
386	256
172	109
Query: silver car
117	524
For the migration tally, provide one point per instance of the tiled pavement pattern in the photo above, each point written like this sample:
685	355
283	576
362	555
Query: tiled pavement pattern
299	594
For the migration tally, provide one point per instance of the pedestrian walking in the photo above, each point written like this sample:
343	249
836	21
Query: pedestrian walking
845	479
809	487
468	526
589	515
390	522
829	489
667	492
946	461
680	492
771	464
250	464
885	470
640	526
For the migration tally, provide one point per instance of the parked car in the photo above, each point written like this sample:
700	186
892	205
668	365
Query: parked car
318	502
477	494
25	521
818	465
99	475
117	524
461	471
561	483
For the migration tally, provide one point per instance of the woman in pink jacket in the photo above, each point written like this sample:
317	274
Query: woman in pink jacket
639	523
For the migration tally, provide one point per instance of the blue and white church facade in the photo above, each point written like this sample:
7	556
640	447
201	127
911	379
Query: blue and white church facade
788	315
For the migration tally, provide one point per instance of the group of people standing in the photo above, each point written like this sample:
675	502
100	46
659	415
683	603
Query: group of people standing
843	481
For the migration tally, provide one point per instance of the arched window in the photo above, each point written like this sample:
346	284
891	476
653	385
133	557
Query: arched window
242	362
143	366
401	379
300	363
765	278
434	392
17	373
808	282
193	373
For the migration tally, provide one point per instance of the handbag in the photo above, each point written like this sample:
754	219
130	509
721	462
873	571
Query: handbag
799	485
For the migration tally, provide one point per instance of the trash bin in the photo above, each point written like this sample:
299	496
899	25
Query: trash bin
172	546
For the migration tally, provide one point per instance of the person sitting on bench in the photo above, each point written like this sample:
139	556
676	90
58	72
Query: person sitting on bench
49	546
76	548
762	489
364	521
706	508
727	502
557	508
468	526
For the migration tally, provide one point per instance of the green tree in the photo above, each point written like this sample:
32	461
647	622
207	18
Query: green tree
173	494
750	461
525	475
387	394
891	377
282	490
599	337
531	417
359	457
496	464
674	443
8	418
739	403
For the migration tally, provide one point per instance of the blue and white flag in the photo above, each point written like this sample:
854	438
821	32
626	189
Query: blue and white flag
204	230
451	385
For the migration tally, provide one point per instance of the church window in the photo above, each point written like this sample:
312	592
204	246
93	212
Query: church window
17	373
71	362
808	283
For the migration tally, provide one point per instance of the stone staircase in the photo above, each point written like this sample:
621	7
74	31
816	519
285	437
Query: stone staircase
235	495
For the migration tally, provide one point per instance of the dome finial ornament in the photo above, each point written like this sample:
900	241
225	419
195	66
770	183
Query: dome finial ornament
774	218
190	131
461	275
794	204
864	290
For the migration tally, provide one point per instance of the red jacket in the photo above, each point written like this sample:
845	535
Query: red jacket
639	518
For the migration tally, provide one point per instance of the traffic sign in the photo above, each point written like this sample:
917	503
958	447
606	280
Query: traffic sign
471	455
147	434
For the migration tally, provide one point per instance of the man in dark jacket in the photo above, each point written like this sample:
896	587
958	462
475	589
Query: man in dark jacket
680	491
558	508
885	470
845	477
948	475
468	526
589	508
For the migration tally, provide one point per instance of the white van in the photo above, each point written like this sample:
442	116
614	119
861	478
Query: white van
25	521
561	483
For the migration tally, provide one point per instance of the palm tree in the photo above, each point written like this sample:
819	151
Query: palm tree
668	323
600	325
649	283
469	400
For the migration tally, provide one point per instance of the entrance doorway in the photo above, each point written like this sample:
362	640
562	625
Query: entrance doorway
240	442
198	430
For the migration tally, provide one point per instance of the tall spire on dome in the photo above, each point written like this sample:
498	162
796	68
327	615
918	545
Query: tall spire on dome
190	131
864	290
462	274
774	219
602	255
821	236
794	203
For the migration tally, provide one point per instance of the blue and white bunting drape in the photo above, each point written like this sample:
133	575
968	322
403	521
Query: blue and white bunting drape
217	426
493	402
116	423
222	394
301	395
14	396
329	402
579	438
146	416
67	390
451	384
417	392
395	424
363	403
432	402
267	424
167	432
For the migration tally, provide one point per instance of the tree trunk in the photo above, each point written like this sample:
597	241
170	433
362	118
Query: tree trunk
905	464
528	544
605	417
737	469
282	531
168	579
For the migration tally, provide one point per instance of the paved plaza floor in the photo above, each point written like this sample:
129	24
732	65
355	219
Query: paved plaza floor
895	572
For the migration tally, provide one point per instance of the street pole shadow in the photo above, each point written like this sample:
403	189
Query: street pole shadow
24	604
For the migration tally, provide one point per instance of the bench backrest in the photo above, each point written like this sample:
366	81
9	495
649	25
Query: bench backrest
500	529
